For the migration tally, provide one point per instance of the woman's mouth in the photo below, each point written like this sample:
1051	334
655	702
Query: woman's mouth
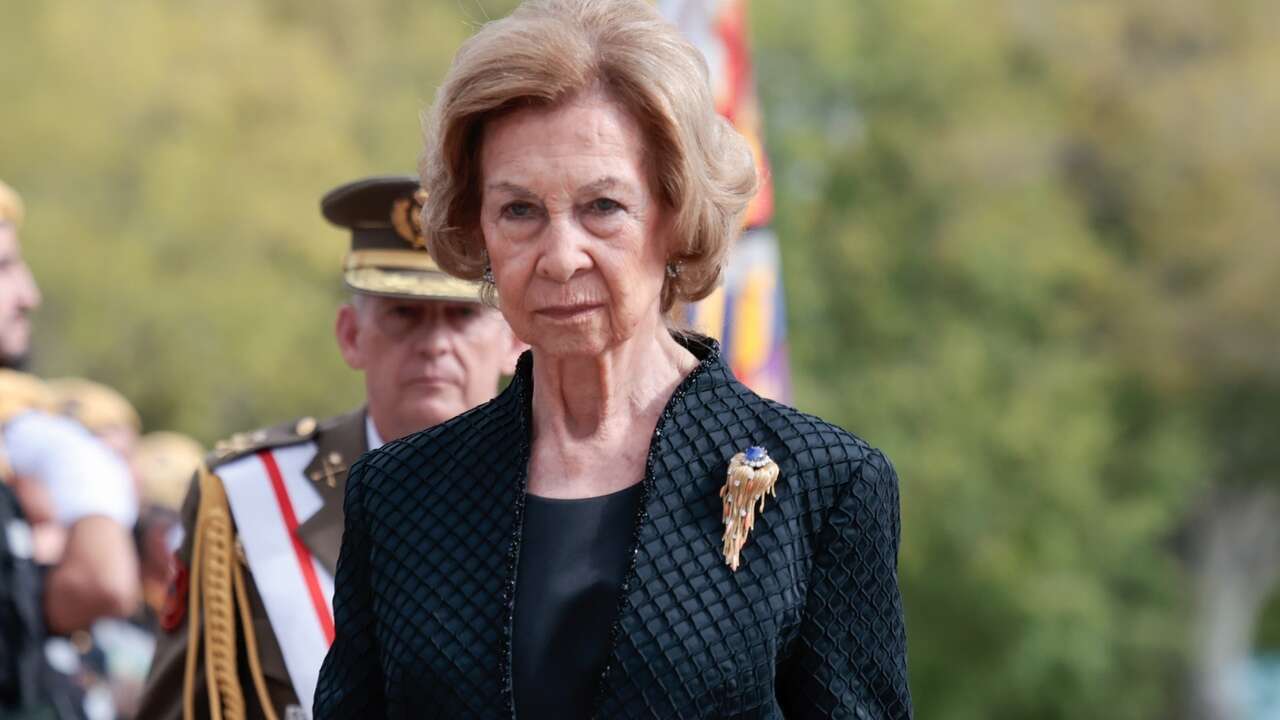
567	312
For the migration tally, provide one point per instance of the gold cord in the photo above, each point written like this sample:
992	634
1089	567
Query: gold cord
216	577
226	699
251	643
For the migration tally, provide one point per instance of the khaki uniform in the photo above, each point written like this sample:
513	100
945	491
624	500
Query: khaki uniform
243	673
339	441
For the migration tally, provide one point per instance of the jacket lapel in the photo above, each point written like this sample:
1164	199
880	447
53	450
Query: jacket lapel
339	441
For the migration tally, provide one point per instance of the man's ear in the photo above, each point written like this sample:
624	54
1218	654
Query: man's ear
346	329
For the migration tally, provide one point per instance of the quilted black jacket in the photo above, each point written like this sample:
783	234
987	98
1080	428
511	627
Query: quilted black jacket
810	626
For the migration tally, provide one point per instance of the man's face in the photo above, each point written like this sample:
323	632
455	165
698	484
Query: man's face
425	361
19	296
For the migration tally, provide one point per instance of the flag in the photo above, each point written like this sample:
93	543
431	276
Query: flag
747	313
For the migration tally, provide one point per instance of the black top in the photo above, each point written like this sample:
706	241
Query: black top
809	626
573	557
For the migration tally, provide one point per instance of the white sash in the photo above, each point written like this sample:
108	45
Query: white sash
270	497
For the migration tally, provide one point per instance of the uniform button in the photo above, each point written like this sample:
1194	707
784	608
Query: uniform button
305	426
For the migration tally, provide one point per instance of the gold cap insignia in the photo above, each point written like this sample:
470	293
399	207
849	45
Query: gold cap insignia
406	218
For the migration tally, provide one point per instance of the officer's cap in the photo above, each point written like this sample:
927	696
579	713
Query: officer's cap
388	253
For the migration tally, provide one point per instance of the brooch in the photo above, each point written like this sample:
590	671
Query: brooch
752	475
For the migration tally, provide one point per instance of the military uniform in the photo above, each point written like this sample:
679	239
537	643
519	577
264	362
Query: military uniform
332	446
249	618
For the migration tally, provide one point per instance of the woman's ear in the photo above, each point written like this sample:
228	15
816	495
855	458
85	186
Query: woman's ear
346	329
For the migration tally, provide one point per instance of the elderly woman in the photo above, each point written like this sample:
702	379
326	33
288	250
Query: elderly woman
626	531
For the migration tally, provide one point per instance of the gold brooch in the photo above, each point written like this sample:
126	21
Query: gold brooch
752	475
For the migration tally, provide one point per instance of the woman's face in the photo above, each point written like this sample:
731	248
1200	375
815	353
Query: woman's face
576	239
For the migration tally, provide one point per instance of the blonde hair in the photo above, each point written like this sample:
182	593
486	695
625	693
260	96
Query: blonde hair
11	210
549	51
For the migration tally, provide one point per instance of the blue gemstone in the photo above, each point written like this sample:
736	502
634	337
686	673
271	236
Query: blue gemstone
755	453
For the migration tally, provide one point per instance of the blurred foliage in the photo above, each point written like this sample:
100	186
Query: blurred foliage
1029	248
1030	251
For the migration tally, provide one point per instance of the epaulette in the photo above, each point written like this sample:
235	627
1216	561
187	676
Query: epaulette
247	443
20	392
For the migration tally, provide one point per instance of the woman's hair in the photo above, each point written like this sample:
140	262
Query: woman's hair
549	51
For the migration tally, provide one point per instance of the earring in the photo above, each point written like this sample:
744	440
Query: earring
487	277
673	270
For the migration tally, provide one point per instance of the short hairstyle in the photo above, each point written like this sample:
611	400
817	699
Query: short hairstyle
10	206
549	51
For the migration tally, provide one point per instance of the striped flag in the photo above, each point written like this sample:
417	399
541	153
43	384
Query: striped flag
747	313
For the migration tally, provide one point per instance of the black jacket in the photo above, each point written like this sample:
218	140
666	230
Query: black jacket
810	626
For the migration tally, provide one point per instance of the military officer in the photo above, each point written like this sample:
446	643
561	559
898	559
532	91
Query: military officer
250	616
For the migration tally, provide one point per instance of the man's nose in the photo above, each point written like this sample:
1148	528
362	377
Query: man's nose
432	336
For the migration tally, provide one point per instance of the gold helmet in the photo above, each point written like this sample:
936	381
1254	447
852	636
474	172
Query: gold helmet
20	392
165	462
94	405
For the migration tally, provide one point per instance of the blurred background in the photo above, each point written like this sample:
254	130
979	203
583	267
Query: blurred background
1030	248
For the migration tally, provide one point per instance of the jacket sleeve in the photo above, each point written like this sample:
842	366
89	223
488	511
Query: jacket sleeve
850	659
351	681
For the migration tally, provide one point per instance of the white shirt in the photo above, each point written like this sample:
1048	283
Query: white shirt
371	433
84	477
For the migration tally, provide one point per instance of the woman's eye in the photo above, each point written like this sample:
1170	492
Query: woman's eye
604	206
518	210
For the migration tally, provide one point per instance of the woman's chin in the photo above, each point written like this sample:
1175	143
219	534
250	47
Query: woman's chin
572	340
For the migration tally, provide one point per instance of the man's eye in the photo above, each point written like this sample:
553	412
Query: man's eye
462	312
518	210
604	206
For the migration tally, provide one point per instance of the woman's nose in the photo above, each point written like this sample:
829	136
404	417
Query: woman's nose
563	253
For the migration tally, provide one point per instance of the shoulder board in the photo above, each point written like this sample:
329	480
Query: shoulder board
20	392
247	443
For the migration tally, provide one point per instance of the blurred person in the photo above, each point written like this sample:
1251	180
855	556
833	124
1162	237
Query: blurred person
73	478
39	673
626	531
272	500
19	295
100	409
163	463
24	692
77	496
